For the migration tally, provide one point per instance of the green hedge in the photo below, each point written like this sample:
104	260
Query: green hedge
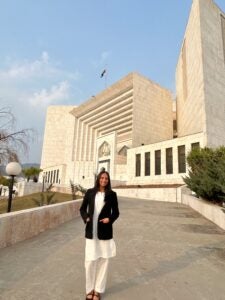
207	173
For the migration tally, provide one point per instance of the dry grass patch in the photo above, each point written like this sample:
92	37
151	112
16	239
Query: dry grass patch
25	202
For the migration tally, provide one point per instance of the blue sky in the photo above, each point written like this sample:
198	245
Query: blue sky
53	52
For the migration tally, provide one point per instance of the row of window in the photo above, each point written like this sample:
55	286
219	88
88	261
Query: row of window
51	176
169	161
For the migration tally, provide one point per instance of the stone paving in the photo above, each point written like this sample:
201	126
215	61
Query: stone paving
164	251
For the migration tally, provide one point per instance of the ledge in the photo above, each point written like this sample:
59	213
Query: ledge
156	193
24	224
212	212
144	186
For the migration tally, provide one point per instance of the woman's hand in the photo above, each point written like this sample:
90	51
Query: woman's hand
88	219
105	220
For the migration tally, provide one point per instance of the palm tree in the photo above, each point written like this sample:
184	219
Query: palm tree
31	172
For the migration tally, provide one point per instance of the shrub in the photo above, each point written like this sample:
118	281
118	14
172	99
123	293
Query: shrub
76	189
207	173
5	181
45	199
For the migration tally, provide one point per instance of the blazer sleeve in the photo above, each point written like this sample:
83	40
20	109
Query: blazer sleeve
115	209
83	208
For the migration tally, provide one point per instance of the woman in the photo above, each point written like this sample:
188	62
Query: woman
99	210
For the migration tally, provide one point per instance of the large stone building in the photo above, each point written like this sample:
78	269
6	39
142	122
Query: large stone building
135	129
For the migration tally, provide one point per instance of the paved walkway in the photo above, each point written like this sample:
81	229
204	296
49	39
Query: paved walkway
164	251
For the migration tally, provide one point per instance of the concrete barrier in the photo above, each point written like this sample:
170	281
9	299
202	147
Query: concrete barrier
21	225
212	212
158	194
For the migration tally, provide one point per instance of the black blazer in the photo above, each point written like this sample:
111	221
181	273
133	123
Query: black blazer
110	210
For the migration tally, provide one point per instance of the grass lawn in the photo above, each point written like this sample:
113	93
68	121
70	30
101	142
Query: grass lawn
25	202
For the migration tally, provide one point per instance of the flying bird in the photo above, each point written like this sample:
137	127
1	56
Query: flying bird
103	73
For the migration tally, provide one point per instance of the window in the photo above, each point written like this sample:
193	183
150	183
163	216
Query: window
138	165
175	125
158	162
51	177
147	163
45	177
169	161
54	176
48	176
57	176
181	159
195	146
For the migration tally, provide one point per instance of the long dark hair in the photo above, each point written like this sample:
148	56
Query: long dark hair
97	182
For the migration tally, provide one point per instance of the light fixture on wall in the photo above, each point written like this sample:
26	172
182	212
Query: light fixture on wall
12	169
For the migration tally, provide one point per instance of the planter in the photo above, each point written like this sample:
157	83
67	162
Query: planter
214	213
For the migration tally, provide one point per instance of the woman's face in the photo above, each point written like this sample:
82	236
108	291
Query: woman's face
103	181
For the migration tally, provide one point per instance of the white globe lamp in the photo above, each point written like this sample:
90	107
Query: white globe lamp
12	169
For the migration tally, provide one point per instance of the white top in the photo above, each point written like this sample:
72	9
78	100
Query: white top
96	248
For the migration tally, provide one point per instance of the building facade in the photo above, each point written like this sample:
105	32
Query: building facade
135	129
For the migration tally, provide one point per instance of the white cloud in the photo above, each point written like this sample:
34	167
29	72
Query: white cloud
45	57
29	86
39	68
45	97
25	69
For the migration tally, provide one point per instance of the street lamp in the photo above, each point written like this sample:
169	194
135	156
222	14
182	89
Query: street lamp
12	169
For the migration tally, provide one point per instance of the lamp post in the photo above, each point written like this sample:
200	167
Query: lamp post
12	169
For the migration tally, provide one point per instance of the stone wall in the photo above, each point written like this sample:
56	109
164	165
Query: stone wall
190	79
21	225
58	138
210	211
26	188
155	194
121	172
84	173
212	19
152	112
176	177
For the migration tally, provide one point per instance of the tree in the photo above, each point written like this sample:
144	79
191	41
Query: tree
76	188
31	172
4	181
12	142
46	198
207	174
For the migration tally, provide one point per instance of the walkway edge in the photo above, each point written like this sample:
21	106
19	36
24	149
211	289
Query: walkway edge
182	195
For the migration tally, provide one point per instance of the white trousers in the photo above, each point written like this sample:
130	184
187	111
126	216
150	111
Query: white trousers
96	274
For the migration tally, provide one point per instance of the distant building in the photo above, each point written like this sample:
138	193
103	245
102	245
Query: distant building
135	129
